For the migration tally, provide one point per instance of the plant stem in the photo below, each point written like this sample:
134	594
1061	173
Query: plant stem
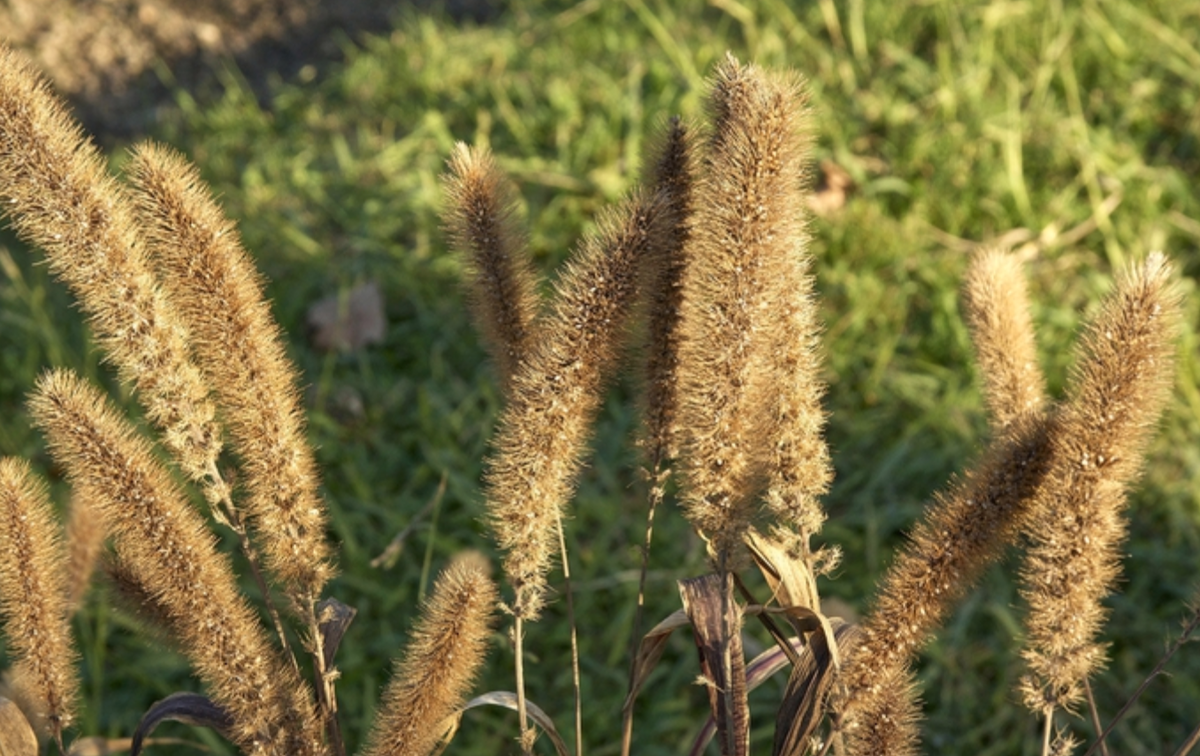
1190	743
566	566
326	693
1188	629
657	492
227	512
519	664
1087	687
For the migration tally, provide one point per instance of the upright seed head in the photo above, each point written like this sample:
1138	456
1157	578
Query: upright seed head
996	302
86	532
673	177
164	542
555	396
445	650
33	600
748	236
503	288
240	349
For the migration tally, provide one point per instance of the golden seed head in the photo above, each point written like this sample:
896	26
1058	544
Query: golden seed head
60	198
1122	378
168	548
33	599
444	653
996	302
543	431
240	350
479	216
746	292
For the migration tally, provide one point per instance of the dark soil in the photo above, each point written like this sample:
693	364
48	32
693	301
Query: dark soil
118	60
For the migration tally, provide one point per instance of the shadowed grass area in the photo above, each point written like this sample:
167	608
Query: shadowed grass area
1070	131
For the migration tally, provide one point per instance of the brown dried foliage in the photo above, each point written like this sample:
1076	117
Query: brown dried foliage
445	650
1121	382
502	285
167	545
218	291
60	198
33	599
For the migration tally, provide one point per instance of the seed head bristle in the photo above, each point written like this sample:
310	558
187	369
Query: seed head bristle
885	721
85	541
673	177
962	532
445	650
748	237
555	395
996	301
1122	379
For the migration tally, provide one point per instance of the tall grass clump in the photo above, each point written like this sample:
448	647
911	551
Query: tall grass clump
705	283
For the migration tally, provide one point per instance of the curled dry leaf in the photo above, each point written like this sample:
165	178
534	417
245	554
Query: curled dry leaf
334	617
717	629
508	700
190	708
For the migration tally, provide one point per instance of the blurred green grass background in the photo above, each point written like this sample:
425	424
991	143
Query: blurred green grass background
958	123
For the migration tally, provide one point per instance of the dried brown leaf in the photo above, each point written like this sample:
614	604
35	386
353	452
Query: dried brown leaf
716	627
348	322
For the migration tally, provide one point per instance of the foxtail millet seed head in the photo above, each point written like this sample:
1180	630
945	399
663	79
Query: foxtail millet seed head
168	546
480	218
1120	384
748	228
672	175
60	198
996	303
445	650
554	398
963	531
33	599
240	349
886	722
86	533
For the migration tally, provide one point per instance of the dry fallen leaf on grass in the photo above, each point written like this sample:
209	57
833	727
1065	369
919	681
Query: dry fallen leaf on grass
348	321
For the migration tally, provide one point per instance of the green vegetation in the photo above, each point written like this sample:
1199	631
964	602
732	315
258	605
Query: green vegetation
1073	132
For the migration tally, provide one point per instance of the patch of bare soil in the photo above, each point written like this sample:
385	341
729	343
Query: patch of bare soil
110	57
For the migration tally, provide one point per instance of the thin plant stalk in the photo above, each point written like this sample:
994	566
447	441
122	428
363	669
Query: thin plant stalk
566	567
326	693
658	479
1095	714
1192	623
226	511
519	669
1190	743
